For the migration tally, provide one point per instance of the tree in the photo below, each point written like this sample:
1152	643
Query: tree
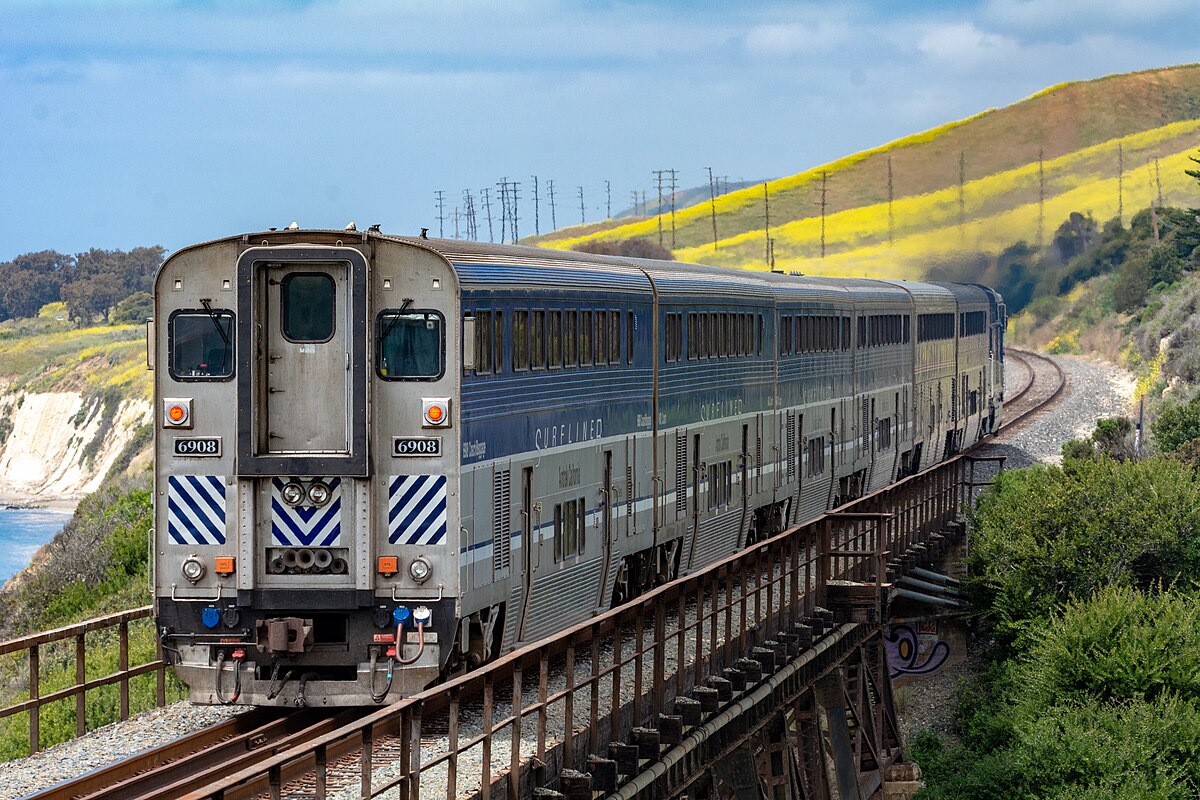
1074	235
92	296
133	310
1176	426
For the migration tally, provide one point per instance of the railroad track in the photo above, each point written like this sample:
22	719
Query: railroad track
172	769
240	744
1044	386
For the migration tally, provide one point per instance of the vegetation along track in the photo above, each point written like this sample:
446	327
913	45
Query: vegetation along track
172	769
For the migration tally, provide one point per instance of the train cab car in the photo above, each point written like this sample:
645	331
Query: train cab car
306	522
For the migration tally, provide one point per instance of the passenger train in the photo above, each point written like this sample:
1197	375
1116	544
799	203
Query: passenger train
381	460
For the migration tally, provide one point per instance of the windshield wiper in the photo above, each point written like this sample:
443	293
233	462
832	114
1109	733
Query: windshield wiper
207	303
395	318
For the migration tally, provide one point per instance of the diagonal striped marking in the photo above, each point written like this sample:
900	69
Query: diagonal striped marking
417	509
196	509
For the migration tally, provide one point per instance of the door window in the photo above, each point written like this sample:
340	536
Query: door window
307	306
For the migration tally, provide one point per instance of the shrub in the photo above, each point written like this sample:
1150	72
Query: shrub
1047	534
1176	425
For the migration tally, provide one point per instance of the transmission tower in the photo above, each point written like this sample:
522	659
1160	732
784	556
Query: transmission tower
767	221
537	222
608	194
441	203
824	183
553	219
582	217
658	175
672	208
503	187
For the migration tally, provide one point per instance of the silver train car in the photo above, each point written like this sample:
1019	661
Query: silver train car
381	460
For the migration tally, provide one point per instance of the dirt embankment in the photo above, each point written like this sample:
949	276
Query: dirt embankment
56	447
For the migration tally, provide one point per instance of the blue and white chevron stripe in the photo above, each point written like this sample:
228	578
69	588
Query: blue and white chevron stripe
196	509
416	509
306	526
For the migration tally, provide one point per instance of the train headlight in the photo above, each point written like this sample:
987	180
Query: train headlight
193	568
419	569
319	493
435	412
293	493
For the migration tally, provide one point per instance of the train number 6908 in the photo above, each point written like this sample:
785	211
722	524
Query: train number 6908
198	446
417	446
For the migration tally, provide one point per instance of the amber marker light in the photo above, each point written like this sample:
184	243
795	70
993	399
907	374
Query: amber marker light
177	413
436	412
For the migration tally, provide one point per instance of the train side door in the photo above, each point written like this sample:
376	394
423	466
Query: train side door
607	528
307	332
528	545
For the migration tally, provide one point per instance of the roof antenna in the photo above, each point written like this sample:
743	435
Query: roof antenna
424	233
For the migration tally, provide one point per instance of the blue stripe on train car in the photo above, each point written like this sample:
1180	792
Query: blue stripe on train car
416	509
306	526
196	509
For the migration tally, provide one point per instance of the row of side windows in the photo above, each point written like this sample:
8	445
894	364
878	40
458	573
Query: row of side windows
972	323
881	330
718	334
553	339
935	327
813	334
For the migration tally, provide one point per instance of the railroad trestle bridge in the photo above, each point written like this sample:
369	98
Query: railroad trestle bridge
764	675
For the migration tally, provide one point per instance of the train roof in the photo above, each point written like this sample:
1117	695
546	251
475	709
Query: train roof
488	265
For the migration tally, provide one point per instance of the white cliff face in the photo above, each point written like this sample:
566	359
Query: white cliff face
42	459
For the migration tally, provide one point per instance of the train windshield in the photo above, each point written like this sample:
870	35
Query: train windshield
411	345
201	344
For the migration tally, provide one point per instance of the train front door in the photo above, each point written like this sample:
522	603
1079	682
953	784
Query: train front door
307	332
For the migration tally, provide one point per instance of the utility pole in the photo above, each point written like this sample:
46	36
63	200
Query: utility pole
582	214
553	219
487	206
456	222
1158	181
824	182
1120	183
672	209
608	192
441	198
767	220
514	193
712	201
537	223
891	200
635	203
503	187
962	196
658	173
1041	236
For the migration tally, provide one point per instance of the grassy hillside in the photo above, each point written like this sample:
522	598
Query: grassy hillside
1077	128
47	353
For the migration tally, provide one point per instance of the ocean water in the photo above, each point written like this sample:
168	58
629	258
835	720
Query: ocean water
22	532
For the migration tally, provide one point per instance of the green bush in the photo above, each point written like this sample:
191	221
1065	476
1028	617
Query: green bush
1176	425
1047	534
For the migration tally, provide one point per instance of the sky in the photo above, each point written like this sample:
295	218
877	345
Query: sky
154	122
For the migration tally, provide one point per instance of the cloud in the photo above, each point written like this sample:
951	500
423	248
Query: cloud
964	45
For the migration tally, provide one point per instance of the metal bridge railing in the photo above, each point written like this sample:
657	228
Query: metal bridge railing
662	660
54	666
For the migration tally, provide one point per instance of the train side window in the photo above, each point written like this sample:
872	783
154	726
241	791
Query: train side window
629	326
569	527
483	342
520	340
307	306
537	340
601	337
585	338
571	339
201	345
410	345
498	340
555	339
614	337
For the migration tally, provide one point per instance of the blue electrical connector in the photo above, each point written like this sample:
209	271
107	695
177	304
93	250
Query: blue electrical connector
211	617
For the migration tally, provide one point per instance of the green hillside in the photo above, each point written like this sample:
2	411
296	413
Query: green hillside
1142	124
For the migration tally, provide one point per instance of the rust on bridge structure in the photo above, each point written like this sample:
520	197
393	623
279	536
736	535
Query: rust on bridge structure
763	675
